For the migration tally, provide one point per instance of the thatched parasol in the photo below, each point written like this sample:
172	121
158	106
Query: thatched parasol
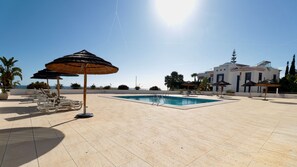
45	73
222	84
266	84
36	76
82	62
188	85
249	84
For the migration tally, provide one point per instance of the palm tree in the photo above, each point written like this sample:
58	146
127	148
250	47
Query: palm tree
8	72
174	80
194	75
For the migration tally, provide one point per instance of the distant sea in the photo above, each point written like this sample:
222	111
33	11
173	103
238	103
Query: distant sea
52	87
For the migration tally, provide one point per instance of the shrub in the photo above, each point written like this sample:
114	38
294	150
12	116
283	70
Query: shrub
123	87
155	88
137	88
37	85
75	86
230	91
106	87
93	86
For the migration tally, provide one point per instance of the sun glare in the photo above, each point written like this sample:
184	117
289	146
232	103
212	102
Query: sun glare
174	12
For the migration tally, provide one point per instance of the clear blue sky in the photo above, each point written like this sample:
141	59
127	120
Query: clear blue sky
141	43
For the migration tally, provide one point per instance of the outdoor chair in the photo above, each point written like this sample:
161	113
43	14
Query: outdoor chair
46	103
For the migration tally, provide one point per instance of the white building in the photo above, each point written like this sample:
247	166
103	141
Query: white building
239	74
206	74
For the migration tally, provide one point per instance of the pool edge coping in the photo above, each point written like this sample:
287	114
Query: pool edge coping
186	107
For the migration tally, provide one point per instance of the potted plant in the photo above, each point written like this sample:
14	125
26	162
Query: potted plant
3	94
8	72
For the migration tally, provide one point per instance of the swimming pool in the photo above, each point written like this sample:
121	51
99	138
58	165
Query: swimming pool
169	100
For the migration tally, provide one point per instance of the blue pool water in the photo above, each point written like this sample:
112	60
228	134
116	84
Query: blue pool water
171	100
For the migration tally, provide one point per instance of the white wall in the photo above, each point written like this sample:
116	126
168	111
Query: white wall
231	76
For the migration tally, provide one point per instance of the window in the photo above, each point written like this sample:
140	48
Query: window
220	77
260	77
248	77
274	77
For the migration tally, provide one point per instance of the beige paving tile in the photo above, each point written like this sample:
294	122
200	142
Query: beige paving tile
282	143
73	139
223	157
287	126
159	159
52	155
139	149
102	144
118	155
69	163
252	142
136	163
272	159
80	150
93	160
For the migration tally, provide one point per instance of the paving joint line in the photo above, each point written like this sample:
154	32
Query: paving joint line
63	145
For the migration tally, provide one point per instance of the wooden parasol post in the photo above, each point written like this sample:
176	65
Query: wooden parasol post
265	92
47	84
85	88
58	85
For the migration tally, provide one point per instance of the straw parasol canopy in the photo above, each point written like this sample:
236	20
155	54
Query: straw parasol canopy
36	76
82	62
266	84
249	84
222	84
48	74
188	84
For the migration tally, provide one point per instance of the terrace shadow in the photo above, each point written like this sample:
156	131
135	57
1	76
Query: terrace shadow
22	145
26	112
18	110
282	102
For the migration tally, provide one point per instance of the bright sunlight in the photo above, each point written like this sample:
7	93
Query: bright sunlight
175	12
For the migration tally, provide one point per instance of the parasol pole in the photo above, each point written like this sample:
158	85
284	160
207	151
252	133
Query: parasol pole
47	84
250	92
58	86
266	92
85	88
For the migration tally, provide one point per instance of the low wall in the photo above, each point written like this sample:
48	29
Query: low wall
254	94
90	91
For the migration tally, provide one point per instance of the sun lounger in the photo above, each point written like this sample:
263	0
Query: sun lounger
45	103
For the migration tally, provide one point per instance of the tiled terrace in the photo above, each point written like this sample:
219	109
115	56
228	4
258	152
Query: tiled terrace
247	132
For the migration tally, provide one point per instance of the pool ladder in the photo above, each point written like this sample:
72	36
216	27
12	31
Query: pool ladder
158	99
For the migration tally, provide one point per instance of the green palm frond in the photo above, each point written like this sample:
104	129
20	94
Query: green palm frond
16	69
17	73
8	72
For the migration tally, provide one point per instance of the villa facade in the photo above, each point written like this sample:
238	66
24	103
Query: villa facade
239	74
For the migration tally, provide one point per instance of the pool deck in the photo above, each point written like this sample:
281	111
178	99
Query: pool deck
247	132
